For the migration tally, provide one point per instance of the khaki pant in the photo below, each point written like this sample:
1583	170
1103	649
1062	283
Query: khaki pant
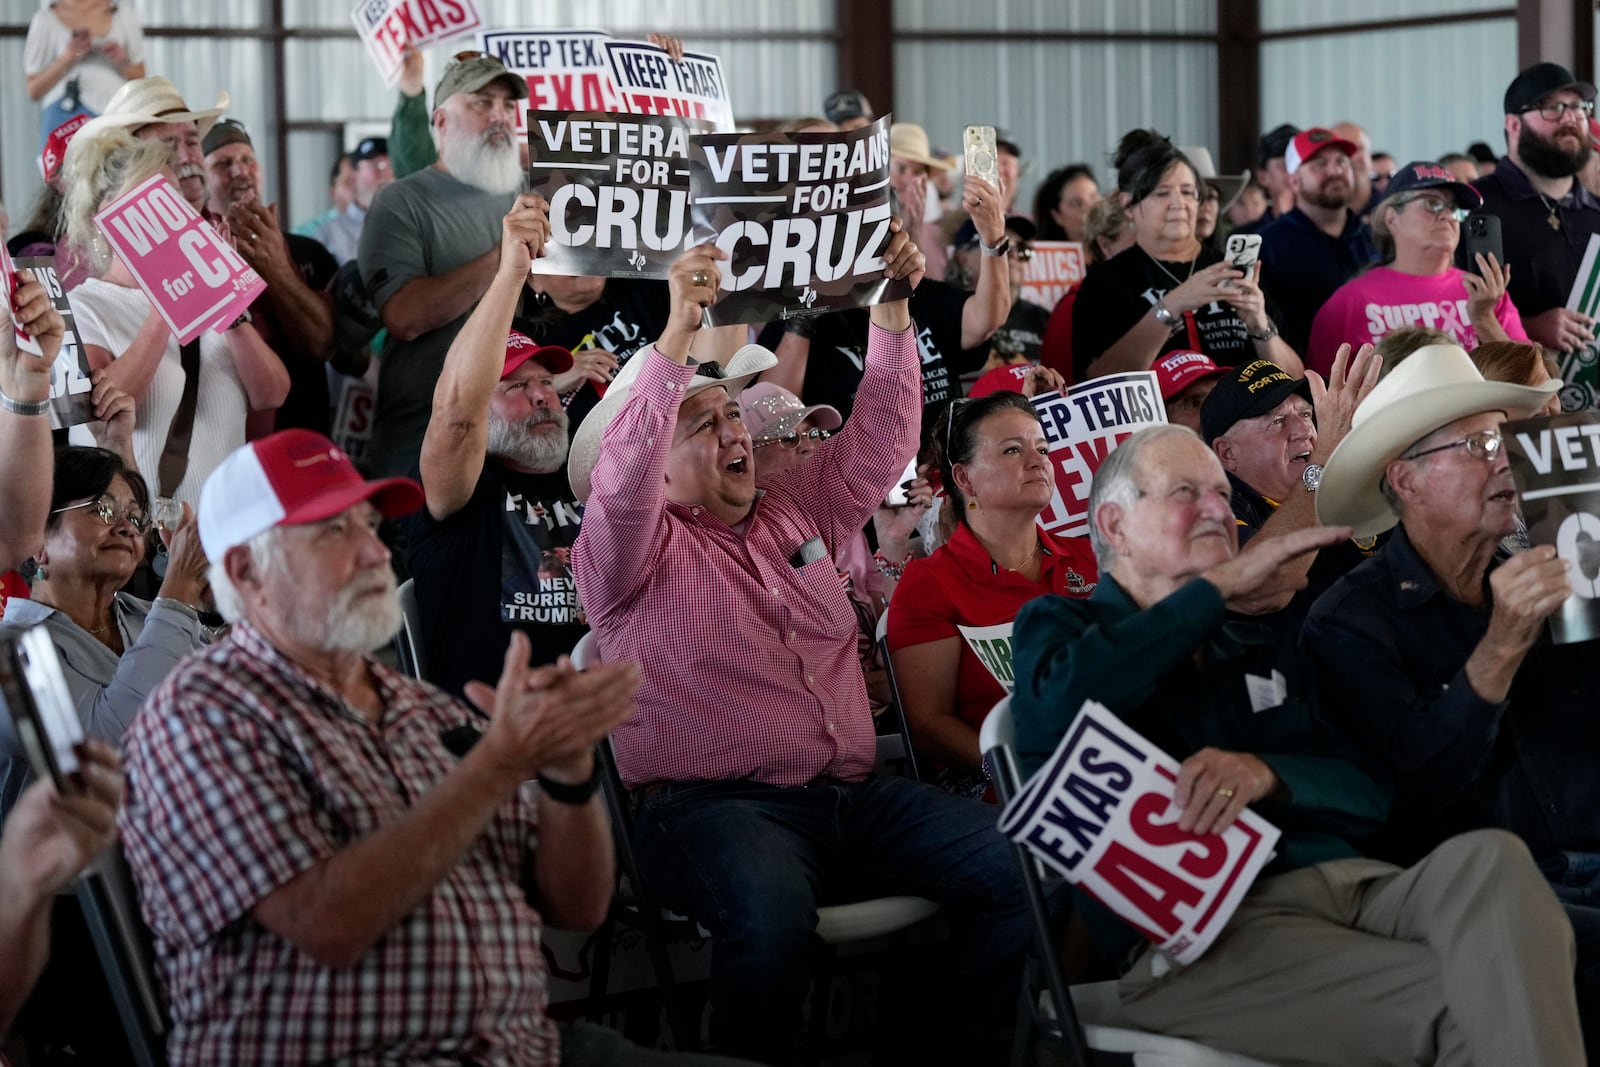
1464	958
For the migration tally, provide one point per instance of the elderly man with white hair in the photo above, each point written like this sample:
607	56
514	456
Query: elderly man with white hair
341	864
1331	958
431	244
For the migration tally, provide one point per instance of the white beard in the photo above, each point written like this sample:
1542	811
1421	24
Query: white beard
492	168
526	447
347	627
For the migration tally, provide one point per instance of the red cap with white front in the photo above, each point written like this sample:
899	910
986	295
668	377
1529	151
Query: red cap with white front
1308	143
289	478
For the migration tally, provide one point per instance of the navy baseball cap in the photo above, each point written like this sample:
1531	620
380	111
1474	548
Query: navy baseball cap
1427	175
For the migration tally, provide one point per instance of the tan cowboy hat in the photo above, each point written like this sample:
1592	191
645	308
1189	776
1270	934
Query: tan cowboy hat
1434	387
146	101
1228	186
746	363
910	141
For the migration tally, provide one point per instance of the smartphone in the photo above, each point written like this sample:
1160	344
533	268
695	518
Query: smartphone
40	705
897	497
982	162
1243	250
1479	233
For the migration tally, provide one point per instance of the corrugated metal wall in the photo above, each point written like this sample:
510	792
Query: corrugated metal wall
1064	101
334	81
1419	92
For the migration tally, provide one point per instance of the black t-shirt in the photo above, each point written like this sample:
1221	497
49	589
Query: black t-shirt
629	316
839	349
1118	293
501	563
308	405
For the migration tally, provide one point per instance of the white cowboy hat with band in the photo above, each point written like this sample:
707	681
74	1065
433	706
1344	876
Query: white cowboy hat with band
1435	386
147	101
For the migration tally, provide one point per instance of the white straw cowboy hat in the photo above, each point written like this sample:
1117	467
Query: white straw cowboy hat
1228	186
746	363
1434	387
910	141
146	101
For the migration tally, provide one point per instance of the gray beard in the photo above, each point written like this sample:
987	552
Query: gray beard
480	165
521	445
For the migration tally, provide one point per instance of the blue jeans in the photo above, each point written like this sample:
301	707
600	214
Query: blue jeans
752	862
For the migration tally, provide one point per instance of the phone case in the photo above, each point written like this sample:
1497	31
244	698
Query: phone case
981	161
40	705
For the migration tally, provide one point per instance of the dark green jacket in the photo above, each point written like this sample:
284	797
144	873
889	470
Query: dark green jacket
411	136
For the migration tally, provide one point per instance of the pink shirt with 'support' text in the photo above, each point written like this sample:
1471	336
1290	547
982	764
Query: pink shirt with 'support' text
1377	303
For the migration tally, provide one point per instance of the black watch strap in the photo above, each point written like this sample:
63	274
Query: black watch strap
562	793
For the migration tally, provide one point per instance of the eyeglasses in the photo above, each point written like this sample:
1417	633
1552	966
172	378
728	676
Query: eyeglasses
1436	207
111	514
1484	445
950	419
1556	110
792	440
1020	250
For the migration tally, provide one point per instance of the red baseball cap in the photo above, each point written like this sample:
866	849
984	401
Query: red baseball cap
55	146
520	348
1176	371
287	479
1594	133
1007	379
1308	143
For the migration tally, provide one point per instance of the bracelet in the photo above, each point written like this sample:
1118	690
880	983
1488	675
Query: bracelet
1000	248
1265	335
24	407
887	567
189	611
244	319
562	793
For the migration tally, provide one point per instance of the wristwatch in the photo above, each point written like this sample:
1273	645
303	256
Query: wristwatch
1265	335
1166	317
999	249
1312	476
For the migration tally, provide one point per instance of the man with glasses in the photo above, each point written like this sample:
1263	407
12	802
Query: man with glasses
1434	655
433	245
295	314
1546	216
1318	245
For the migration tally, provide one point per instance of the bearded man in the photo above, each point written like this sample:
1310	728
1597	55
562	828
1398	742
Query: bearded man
1546	216
430	246
491	550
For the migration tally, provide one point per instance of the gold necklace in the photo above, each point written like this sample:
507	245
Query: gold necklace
1554	221
1029	558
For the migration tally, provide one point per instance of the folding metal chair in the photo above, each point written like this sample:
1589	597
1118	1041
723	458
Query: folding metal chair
413	658
897	704
1085	1022
121	940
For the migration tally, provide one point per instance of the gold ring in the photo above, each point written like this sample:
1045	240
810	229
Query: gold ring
1225	792
253	237
700	278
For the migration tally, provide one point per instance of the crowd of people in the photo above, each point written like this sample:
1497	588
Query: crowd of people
1313	587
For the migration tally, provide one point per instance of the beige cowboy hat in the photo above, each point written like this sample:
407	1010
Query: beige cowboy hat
146	101
746	363
1228	186
910	141
1434	387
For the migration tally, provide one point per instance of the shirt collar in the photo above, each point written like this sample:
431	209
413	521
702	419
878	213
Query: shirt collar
1414	580
255	644
966	547
1228	642
1514	180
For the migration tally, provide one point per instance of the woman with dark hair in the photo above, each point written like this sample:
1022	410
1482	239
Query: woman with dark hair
1168	292
115	648
1106	234
1415	281
1061	203
950	619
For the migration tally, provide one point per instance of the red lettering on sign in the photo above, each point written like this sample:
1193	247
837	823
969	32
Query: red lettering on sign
1129	873
409	21
1204	860
431	17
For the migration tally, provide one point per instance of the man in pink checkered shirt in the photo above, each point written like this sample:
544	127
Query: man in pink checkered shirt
753	741
341	864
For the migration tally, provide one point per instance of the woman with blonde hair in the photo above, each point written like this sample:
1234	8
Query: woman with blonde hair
190	400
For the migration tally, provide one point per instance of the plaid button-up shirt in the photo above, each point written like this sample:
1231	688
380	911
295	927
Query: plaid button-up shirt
748	645
243	773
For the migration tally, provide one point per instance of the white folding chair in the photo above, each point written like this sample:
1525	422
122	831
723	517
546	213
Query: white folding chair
408	642
1092	1029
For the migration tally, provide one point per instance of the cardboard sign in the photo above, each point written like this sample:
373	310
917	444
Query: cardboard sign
992	646
1555	461
1056	266
1580	368
1083	425
804	218
70	388
652	84
55	146
1100	812
193	277
387	26
566	70
8	288
618	187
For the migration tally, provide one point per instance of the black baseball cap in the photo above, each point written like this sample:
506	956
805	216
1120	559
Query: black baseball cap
1481	153
371	148
1424	174
1538	82
847	104
1246	391
224	132
1274	144
1017	224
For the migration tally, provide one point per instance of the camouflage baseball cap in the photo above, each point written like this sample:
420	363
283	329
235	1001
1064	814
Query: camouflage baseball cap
471	71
